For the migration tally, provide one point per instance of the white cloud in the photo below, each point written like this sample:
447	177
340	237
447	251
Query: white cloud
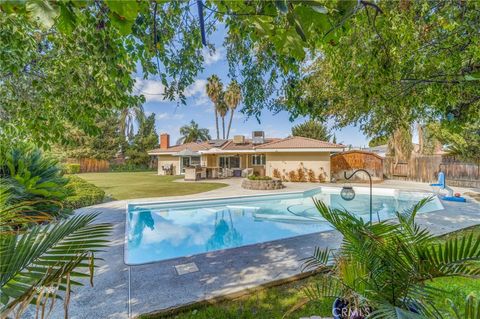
211	57
197	88
169	116
198	93
151	89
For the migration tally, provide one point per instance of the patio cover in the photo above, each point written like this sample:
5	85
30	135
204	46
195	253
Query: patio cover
186	152
213	150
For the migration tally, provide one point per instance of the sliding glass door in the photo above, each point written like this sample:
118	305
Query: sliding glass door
232	161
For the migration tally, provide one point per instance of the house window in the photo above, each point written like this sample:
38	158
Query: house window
258	159
195	160
229	161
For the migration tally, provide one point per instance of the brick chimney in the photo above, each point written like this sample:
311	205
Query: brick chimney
164	141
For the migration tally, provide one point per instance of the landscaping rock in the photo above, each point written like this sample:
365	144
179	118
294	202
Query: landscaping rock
262	184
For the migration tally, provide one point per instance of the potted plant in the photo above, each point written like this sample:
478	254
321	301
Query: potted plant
384	270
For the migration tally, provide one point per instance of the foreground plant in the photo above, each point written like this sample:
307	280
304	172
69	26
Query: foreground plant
36	262
384	270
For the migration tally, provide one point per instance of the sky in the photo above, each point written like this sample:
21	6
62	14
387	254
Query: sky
170	115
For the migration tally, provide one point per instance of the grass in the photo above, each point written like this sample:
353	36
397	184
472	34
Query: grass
275	302
127	185
267	303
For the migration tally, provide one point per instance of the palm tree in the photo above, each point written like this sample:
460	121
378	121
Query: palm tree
128	115
386	268
222	110
233	97
214	91
192	133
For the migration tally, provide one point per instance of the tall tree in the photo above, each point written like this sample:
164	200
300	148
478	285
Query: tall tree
222	110
312	129
145	139
400	144
233	97
128	115
102	146
192	133
214	91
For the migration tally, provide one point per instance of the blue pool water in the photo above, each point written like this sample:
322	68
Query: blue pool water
159	231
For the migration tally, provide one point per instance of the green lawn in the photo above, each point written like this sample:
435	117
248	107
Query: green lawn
127	185
275	302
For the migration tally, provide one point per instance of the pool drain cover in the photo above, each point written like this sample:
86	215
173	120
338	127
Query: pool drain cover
186	268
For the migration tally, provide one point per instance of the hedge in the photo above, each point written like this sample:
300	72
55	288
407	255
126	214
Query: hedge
258	178
82	193
71	168
129	167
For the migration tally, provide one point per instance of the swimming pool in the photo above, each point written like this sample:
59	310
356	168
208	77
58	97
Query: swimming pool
165	230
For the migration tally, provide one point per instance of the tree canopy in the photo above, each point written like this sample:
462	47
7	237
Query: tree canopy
381	65
193	133
411	61
144	140
312	129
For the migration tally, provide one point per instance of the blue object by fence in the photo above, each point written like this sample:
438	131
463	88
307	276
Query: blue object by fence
454	199
441	180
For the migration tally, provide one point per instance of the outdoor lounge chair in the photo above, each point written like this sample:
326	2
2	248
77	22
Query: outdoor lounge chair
442	184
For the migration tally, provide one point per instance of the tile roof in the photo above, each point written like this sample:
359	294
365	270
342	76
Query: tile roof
270	143
298	142
193	146
248	145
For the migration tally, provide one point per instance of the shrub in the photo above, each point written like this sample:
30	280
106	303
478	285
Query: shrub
377	259
311	176
258	178
301	174
71	168
276	173
292	176
34	177
322	177
82	193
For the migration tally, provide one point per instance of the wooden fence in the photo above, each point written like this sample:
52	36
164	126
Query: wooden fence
91	164
348	162
426	168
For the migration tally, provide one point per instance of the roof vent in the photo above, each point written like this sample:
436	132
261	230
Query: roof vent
239	139
258	137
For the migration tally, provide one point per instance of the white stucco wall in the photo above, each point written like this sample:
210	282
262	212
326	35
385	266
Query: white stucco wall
286	162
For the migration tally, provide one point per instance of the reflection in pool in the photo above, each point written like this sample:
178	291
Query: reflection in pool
175	229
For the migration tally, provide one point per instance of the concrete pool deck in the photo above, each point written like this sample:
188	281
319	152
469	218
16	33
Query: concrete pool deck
123	291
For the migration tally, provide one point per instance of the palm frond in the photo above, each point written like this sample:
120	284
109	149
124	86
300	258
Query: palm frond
471	309
321	259
452	257
326	286
387	311
47	257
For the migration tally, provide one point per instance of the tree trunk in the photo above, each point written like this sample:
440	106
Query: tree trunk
230	122
216	123
223	126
